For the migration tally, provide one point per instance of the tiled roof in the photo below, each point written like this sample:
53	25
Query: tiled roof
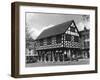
55	30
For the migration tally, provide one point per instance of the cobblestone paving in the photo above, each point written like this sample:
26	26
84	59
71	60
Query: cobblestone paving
74	62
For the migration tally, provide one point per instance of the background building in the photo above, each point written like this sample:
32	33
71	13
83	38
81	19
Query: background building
85	42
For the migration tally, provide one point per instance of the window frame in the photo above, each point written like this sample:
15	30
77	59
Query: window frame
67	37
49	40
76	39
41	41
58	39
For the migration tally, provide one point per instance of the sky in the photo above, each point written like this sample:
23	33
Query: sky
37	22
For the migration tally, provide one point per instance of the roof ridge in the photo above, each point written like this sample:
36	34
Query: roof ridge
59	24
54	30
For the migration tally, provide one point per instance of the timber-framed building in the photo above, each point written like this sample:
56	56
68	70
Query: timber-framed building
59	43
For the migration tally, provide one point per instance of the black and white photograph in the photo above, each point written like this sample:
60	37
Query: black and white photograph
52	39
57	39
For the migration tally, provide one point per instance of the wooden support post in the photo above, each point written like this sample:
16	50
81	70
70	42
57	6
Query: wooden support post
52	56
45	56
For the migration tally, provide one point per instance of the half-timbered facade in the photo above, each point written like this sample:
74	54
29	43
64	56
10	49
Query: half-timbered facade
59	43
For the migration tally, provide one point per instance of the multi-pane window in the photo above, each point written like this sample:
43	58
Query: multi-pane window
76	38
72	29
41	42
58	39
84	44
68	37
49	41
88	44
87	36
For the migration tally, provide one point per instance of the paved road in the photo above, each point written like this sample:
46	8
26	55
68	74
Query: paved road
39	64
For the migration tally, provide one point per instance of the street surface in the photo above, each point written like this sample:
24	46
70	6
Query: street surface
74	62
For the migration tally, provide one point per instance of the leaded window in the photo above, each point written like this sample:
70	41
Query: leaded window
41	42
76	38
49	41
68	37
58	39
72	29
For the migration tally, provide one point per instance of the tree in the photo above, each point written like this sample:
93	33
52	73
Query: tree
27	34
